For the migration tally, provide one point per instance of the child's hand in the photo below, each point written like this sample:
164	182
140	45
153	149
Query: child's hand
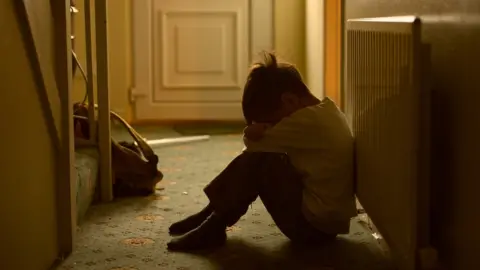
255	131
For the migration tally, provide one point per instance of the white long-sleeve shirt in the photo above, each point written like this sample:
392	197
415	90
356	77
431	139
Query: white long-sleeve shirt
320	145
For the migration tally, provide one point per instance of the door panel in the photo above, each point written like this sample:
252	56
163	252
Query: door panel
192	58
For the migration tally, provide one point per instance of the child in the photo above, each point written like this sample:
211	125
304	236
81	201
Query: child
298	159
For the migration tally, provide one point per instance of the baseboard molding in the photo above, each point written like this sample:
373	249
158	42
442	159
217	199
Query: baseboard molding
183	122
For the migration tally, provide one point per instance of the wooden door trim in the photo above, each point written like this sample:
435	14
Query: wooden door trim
333	50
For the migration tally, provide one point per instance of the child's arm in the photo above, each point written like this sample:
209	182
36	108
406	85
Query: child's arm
255	131
302	130
253	139
305	129
287	134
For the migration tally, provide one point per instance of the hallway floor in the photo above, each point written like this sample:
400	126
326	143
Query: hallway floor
131	234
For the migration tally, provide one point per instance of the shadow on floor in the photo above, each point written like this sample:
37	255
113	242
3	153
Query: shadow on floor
241	254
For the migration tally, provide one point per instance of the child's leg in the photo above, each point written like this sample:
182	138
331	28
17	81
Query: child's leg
191	222
233	179
282	195
269	175
272	177
230	194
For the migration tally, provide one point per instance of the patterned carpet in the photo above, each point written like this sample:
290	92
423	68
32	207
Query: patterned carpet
131	234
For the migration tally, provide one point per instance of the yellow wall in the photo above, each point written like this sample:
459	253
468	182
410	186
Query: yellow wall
119	49
289	45
79	85
120	65
290	31
27	202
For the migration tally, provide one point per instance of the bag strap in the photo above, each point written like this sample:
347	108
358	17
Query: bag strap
81	112
146	150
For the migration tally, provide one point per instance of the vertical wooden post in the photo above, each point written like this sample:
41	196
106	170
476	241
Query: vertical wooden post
103	95
90	78
66	188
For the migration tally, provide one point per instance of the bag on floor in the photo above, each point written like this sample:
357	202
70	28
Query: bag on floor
134	164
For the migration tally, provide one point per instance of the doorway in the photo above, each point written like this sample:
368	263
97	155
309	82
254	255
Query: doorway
191	57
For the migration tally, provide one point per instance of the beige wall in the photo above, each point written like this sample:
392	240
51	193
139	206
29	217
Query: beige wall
27	202
314	47
290	31
119	14
119	52
289	45
79	84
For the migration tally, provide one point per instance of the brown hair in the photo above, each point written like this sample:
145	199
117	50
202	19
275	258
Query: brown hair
266	83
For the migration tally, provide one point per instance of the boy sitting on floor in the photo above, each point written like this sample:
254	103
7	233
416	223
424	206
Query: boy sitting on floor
298	159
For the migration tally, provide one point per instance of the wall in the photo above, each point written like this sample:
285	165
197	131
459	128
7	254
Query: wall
119	52
452	27
314	38
120	64
27	205
79	84
289	45
289	33
41	22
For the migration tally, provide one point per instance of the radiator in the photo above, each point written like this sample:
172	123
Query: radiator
386	102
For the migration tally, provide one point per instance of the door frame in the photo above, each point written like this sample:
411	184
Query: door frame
333	50
261	15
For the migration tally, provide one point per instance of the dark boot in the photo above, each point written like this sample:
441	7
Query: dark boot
191	222
210	234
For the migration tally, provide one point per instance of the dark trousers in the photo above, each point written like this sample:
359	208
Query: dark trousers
273	178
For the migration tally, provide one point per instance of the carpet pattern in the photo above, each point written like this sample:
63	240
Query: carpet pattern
131	234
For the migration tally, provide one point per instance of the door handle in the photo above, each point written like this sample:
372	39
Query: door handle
134	94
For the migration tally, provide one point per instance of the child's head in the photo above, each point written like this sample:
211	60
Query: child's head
273	90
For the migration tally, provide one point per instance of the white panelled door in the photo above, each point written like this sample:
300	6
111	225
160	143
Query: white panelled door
191	57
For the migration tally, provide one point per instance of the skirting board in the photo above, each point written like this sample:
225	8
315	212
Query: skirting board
177	140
